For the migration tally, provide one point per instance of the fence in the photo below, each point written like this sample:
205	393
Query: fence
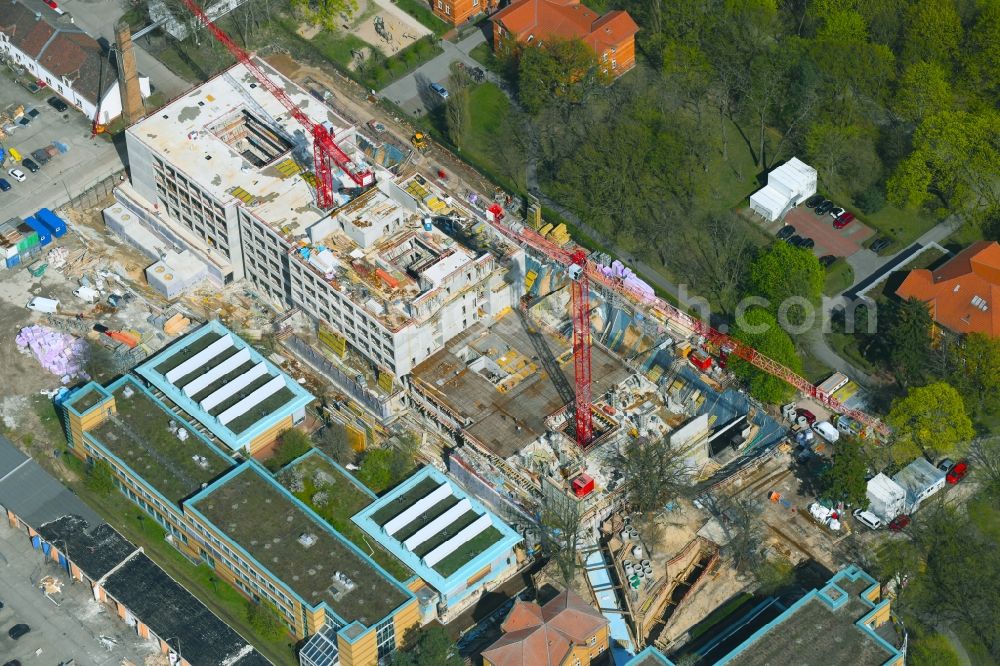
93	195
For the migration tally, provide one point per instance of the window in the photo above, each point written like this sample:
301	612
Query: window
385	638
593	640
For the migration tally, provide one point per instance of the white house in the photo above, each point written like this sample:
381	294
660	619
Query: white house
47	45
787	186
920	480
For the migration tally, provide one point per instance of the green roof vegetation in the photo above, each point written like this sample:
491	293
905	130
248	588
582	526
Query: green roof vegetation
259	411
335	497
404	501
448	532
222	381
188	351
425	518
86	399
268	524
468	551
239	395
207	366
139	436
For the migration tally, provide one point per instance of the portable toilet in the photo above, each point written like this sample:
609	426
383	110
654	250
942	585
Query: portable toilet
44	234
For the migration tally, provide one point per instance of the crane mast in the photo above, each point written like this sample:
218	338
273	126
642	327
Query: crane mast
660	309
325	149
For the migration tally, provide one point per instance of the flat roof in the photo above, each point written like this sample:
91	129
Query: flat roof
437	529
143	436
224	384
189	133
284	537
507	420
171	612
825	626
334	494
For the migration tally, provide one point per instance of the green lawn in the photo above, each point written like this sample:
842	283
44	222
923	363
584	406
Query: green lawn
421	11
483	54
812	368
847	347
839	276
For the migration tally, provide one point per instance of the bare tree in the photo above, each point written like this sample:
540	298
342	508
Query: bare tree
984	458
655	473
560	523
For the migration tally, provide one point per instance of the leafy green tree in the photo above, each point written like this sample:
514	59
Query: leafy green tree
783	274
977	371
933	650
956	156
431	646
100	477
324	13
845	480
923	90
566	71
904	342
292	443
931	419
981	55
386	466
264	620
933	31
844	155
759	329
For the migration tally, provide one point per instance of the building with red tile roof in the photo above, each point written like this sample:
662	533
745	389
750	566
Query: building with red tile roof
566	630
964	293
612	36
50	48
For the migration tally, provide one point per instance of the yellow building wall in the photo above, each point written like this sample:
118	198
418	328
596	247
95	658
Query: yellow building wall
874	595
405	619
880	617
363	652
601	644
92	419
262	442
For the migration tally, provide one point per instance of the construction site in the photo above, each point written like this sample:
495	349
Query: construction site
414	300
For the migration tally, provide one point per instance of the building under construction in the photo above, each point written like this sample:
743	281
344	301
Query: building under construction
224	174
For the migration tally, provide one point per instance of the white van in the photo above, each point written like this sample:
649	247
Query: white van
867	518
826	430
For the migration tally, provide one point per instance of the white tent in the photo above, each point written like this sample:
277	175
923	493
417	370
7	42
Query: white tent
788	185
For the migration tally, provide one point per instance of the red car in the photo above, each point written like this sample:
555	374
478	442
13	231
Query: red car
843	220
957	473
899	522
807	415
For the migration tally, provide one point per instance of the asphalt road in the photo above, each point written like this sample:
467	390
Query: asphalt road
88	161
68	626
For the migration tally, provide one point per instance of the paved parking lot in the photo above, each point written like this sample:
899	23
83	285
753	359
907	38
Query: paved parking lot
68	626
66	175
838	242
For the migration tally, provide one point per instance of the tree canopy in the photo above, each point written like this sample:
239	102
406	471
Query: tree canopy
760	330
563	70
844	480
930	419
428	647
788	276
905	337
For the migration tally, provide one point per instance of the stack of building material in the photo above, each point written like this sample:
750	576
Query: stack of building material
59	353
58	257
176	325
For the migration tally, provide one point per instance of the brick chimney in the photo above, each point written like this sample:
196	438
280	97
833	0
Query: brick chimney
128	75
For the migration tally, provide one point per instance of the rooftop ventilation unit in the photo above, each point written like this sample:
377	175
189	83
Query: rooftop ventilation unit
308	540
182	434
127	392
200	461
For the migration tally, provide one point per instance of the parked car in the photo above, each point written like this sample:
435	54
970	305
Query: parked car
440	90
806	243
880	245
14	154
827	260
40	156
814	200
868	519
794	240
824	208
899	523
4	185
30	165
18	630
837	211
957	472
33	112
13	663
23	121
807	415
57	104
843	220
785	232
17	175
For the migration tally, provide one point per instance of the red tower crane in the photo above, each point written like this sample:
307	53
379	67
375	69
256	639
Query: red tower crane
582	274
325	150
